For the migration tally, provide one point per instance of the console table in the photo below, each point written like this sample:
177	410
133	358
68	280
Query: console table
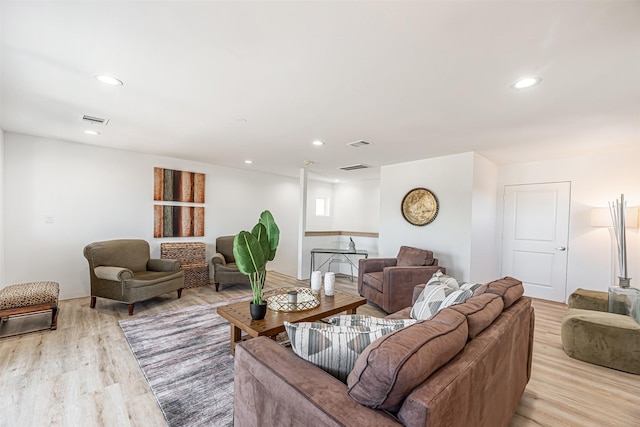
336	254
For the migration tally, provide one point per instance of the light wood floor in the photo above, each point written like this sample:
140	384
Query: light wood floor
84	374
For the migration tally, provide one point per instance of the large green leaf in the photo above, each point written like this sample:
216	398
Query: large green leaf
273	233
260	233
248	253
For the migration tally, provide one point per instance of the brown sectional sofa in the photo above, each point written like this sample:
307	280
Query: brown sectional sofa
466	366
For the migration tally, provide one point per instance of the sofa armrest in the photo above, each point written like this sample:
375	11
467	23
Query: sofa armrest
417	290
116	274
218	258
157	264
410	276
368	265
273	386
399	284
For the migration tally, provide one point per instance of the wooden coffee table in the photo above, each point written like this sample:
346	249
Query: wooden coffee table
240	319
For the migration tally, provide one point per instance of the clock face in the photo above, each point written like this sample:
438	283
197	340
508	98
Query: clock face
419	206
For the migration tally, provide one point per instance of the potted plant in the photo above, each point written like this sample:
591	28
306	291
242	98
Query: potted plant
252	250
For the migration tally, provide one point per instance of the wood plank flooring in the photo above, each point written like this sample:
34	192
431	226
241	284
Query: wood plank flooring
84	374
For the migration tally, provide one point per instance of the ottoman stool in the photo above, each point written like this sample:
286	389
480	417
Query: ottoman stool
591	334
30	297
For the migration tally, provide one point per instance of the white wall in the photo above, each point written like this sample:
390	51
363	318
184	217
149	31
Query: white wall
595	180
463	204
357	206
2	269
315	190
96	194
354	207
483	220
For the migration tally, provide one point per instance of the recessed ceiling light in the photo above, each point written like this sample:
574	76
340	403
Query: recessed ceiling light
91	132
109	80
248	162
526	82
317	142
308	162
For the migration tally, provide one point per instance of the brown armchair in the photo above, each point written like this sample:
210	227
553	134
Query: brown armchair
123	270
225	270
389	282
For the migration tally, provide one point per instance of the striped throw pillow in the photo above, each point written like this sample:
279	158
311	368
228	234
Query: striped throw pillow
473	287
362	320
332	348
439	278
436	297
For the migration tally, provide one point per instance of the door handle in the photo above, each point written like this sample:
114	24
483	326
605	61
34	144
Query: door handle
561	248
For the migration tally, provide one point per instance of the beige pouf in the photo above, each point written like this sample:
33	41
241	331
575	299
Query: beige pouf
598	337
30	297
589	300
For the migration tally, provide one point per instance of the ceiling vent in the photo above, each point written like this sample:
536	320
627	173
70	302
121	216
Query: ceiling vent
95	120
354	167
359	143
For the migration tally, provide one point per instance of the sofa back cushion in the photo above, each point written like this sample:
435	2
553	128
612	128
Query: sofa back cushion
388	369
408	256
224	246
480	311
508	288
126	253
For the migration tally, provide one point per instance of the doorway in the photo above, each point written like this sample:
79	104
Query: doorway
535	234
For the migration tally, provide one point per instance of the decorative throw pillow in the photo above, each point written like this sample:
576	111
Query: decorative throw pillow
332	348
443	279
436	297
475	288
362	320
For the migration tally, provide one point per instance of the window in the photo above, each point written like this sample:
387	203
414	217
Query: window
322	206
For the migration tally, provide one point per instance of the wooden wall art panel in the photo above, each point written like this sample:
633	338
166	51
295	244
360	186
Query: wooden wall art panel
178	186
178	221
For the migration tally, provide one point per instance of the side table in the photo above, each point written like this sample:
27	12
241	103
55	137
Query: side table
625	301
193	260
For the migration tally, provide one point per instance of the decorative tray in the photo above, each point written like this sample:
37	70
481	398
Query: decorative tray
305	300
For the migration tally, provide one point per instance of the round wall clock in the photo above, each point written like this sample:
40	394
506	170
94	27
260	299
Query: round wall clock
419	206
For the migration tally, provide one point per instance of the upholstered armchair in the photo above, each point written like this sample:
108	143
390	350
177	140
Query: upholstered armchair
225	270
123	270
389	282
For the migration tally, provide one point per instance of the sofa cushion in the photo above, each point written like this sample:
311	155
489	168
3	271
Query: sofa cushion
436	297
408	256
332	348
480	311
508	288
405	313
392	366
373	280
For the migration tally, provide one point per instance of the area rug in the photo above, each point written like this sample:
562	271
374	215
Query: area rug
184	355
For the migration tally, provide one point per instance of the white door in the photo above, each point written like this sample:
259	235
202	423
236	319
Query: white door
535	234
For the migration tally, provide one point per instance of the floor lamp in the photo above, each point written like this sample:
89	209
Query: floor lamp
617	218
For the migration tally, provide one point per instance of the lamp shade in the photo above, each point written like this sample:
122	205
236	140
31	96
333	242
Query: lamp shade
601	217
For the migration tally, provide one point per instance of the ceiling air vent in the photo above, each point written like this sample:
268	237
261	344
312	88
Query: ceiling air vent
95	120
354	167
359	143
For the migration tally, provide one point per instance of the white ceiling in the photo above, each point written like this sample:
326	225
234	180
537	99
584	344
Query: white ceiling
221	82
